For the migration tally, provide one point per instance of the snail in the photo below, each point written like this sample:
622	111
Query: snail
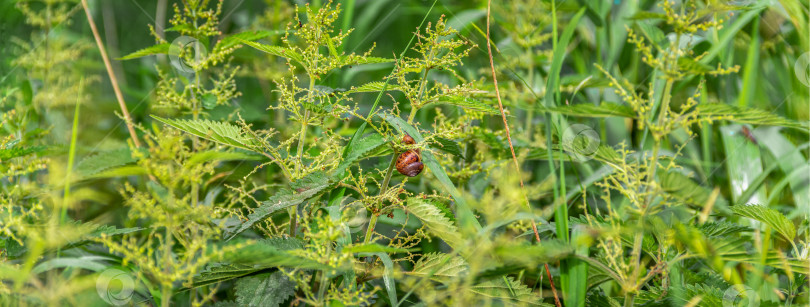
409	163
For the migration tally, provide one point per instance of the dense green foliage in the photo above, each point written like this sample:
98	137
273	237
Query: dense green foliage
245	153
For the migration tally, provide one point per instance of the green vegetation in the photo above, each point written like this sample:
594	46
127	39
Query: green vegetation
254	153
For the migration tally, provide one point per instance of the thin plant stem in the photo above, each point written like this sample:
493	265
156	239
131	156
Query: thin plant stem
509	138
384	188
113	80
71	157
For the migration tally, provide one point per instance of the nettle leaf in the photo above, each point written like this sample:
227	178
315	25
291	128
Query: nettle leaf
440	267
104	160
360	149
604	109
682	295
156	49
221	272
19	151
435	220
467	103
530	255
653	33
91	232
265	290
120	171
303	189
236	39
683	188
220	132
448	146
722	229
508	291
275	50
98	232
374	248
748	116
90	263
371	87
275	252
770	217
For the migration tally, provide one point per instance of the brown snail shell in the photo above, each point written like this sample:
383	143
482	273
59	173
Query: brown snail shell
409	163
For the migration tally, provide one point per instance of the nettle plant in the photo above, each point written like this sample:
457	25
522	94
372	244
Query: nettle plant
324	258
656	239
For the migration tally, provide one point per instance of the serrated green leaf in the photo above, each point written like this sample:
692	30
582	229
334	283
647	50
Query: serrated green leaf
359	149
722	228
275	252
435	220
90	263
605	109
686	190
440	267
507	291
747	116
121	171
448	146
305	188
264	290
374	248
222	272
19	151
275	50
236	39
468	103
371	87
156	49
220	132
104	160
770	217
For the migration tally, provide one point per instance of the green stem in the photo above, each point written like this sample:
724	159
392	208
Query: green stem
530	112
303	134
629	298
370	229
323	285
165	293
71	157
422	85
301	139
383	189
293	219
